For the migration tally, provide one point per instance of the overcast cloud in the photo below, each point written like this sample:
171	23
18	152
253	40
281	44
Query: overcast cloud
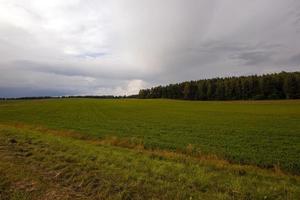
77	47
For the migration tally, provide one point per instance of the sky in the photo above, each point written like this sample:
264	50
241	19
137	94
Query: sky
116	47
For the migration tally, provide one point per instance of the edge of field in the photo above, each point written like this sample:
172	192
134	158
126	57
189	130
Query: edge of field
41	163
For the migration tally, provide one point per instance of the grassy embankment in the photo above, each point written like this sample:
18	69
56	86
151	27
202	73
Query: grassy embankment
38	163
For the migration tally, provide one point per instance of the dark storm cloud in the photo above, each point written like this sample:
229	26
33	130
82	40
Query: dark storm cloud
116	47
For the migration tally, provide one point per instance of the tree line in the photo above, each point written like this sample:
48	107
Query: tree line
283	85
71	97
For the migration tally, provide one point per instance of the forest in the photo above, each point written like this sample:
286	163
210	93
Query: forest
283	85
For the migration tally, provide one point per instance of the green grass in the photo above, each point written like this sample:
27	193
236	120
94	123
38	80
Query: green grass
263	133
35	164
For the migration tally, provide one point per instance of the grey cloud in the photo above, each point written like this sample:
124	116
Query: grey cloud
253	58
116	47
295	60
74	68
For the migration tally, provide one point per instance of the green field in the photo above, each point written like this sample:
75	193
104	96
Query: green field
212	150
263	133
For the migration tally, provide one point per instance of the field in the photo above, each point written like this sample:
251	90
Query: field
141	149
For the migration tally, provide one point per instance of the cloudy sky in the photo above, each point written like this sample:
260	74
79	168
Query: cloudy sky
78	47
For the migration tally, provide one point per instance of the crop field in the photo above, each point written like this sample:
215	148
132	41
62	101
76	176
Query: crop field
149	149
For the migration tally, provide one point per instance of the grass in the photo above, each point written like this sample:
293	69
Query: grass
37	163
262	133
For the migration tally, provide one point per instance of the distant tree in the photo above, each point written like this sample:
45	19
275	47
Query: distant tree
290	86
220	89
186	90
202	90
